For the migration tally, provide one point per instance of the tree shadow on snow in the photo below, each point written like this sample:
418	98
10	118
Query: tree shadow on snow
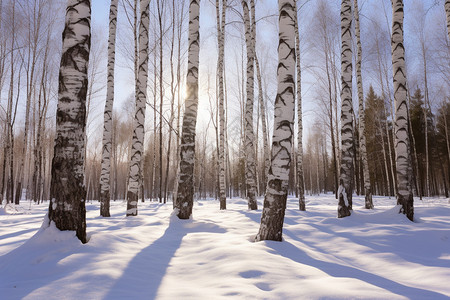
147	269
337	270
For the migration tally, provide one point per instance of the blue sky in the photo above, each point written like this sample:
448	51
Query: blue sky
267	43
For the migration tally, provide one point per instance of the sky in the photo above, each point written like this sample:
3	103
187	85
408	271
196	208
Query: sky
266	47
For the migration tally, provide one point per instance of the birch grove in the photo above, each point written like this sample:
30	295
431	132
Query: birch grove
210	134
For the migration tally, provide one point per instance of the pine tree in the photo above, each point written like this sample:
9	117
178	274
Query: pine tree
68	194
347	171
278	180
403	160
185	197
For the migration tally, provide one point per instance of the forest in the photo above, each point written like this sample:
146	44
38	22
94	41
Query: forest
343	124
188	149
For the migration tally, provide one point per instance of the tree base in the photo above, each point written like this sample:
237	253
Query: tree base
302	204
343	209
407	204
272	218
252	204
132	204
223	203
104	205
368	200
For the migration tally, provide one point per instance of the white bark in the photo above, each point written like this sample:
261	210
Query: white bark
105	176
300	178
278	180
362	122
220	70
262	107
404	193
185	197
67	192
447	12
250	170
139	118
347	170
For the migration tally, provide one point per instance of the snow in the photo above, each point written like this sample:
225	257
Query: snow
372	254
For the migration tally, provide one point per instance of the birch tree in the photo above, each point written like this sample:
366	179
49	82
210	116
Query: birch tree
347	143
250	170
278	180
67	192
105	176
221	99
447	12
262	106
300	179
362	133
139	118
185	197
404	192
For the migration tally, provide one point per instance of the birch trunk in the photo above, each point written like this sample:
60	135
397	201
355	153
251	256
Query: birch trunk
425	118
172	112
447	142
347	170
221	39
185	197
300	178
388	137
137	146
413	148
404	193
155	136
105	177
67	192
447	12
362	122
278	180
250	170
262	108
160	7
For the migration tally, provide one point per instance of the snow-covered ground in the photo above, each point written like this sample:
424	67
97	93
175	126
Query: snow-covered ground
373	254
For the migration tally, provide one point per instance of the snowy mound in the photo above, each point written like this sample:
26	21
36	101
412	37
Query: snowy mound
373	254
